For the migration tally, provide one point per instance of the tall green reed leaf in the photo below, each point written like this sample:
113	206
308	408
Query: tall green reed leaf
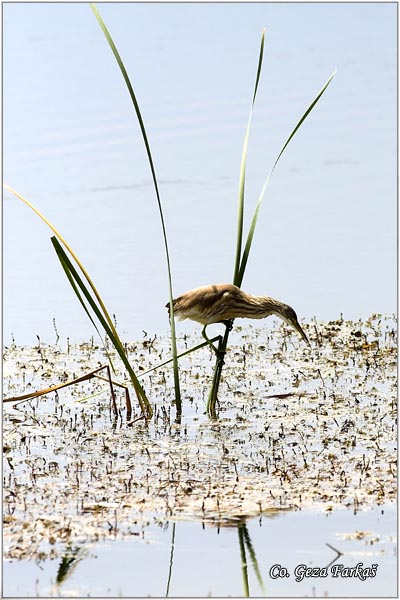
76	281
241	260
76	290
100	311
212	397
242	175
250	235
72	253
153	173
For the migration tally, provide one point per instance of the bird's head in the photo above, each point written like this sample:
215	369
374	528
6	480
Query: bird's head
287	313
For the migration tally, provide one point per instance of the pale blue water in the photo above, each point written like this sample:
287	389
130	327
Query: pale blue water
206	562
326	239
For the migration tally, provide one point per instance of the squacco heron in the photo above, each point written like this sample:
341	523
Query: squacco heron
223	302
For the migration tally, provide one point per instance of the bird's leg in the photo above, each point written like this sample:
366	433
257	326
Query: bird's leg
220	353
220	358
212	398
222	343
205	336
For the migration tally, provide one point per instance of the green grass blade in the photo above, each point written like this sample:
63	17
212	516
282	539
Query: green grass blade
153	173
114	338
214	339
212	397
242	176
76	290
105	320
249	240
72	253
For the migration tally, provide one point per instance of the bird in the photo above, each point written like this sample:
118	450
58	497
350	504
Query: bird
223	302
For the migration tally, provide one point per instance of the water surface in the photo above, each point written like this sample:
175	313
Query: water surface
186	559
302	454
326	239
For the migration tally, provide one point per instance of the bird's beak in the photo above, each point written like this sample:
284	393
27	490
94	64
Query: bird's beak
298	328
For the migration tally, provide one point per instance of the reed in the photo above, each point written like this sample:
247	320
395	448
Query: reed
88	295
242	255
91	301
153	174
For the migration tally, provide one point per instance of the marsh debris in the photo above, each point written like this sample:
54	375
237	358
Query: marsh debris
296	428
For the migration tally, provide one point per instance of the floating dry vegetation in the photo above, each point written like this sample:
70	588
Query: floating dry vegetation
296	427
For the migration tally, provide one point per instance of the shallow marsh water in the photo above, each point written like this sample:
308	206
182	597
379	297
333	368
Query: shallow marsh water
308	438
188	559
303	453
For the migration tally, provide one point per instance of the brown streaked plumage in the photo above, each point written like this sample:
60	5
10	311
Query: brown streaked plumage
223	301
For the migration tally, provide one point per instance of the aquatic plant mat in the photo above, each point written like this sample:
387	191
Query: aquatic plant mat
296	428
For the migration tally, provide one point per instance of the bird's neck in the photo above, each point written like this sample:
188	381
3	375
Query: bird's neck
266	306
